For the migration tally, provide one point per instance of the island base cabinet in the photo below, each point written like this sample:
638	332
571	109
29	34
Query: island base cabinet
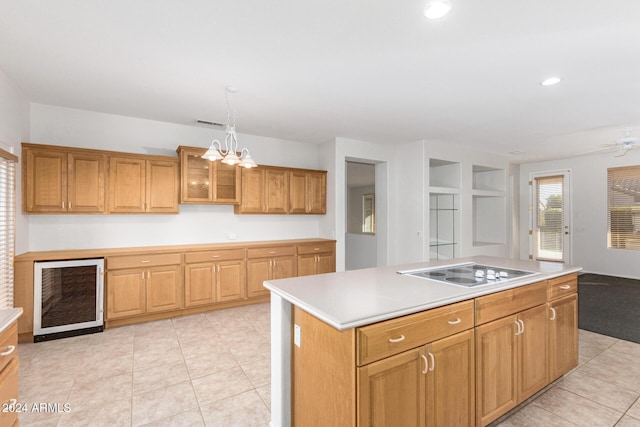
563	336
391	392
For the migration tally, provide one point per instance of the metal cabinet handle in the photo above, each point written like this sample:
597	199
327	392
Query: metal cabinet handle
395	340
215	256
518	332
272	252
454	322
553	311
433	362
145	261
565	287
426	364
316	249
10	349
63	205
522	323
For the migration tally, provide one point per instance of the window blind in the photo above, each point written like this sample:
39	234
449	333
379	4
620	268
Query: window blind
623	217
549	217
7	226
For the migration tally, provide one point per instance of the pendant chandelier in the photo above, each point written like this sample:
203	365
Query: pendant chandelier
229	154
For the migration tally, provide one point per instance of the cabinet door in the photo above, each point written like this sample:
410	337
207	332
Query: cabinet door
127	177
496	368
199	286
125	293
283	267
162	187
391	392
227	185
316	192
253	191
164	288
563	336
326	263
297	192
533	369
276	191
307	264
9	392
46	181
230	280
451	381
197	176
86	175
258	270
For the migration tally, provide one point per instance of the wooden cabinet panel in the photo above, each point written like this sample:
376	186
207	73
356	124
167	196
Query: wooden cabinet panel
163	288
162	187
230	280
86	182
212	256
8	345
317	192
273	267
199	286
127	185
390	337
277	191
326	263
451	381
307	264
297	192
391	392
126	293
532	347
45	174
258	270
500	304
253	198
563	336
316	258
562	286
9	392
145	260
497	368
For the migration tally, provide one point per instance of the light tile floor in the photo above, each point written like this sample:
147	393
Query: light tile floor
213	369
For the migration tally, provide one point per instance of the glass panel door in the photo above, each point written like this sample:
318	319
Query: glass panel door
550	231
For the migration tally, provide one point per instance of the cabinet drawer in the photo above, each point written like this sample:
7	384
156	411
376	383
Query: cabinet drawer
208	256
315	248
136	261
8	344
561	286
270	251
501	304
380	340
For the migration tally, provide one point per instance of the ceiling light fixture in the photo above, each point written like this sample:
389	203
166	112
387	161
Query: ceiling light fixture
229	155
436	9
550	81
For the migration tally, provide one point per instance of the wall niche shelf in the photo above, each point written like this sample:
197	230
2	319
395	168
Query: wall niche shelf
488	181
444	220
444	174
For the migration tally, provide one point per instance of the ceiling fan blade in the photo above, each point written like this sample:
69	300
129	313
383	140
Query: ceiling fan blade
622	152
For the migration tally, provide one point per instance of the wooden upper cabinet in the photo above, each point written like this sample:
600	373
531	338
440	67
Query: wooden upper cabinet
60	180
137	185
207	182
277	190
307	192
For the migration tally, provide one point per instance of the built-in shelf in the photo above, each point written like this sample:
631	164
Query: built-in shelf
444	225
444	174
488	179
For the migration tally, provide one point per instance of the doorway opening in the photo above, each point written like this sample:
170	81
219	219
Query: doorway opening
361	243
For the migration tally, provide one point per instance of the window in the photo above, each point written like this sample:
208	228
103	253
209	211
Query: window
549	218
7	226
624	207
368	213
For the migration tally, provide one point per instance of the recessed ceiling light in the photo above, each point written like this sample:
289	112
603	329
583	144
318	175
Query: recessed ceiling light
550	81
436	9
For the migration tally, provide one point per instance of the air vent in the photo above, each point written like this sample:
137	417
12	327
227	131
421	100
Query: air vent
208	123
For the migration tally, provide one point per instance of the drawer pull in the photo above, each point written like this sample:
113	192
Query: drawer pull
10	349
426	364
145	261
454	322
215	256
433	362
316	249
553	313
565	287
395	340
272	252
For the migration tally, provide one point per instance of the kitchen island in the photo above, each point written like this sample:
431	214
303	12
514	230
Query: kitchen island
335	335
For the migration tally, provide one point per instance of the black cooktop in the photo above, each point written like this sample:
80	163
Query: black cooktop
470	274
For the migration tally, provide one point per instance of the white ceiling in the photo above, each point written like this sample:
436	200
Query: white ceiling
313	70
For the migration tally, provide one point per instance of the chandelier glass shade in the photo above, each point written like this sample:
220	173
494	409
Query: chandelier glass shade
229	154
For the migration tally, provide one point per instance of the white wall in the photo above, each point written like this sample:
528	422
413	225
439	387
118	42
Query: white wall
589	212
362	250
14	128
196	223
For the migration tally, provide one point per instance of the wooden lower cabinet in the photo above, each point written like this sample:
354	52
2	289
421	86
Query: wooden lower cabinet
9	374
428	386
211	282
511	360
563	336
136	291
269	263
316	259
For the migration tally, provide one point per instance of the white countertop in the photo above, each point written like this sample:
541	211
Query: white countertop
360	297
8	316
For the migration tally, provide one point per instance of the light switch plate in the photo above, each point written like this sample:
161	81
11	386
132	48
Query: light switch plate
297	335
